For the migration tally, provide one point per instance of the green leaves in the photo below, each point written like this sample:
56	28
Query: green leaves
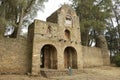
93	15
16	12
117	60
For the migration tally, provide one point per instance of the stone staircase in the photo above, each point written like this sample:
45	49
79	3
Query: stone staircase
54	73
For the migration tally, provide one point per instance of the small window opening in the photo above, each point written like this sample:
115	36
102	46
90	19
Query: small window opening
68	20
49	29
67	34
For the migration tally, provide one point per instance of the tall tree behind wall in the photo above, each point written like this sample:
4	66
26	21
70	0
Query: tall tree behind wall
93	15
16	12
113	31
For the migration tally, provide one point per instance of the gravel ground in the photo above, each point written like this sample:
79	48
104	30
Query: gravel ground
99	73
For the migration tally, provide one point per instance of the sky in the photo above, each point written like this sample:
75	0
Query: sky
50	7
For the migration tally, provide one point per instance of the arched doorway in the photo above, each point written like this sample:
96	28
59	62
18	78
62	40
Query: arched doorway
70	58
48	57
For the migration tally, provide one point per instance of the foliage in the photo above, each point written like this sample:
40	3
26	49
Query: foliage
117	60
113	30
93	15
17	12
99	17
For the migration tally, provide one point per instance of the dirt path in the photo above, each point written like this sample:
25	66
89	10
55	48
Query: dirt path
101	73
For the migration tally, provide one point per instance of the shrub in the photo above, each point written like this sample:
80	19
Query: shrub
117	60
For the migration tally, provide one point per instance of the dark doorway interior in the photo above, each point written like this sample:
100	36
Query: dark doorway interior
70	58
48	57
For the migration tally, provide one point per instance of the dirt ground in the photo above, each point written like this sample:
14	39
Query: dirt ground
98	73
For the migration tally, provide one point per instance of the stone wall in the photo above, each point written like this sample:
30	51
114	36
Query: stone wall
92	57
57	39
102	43
60	47
41	28
14	56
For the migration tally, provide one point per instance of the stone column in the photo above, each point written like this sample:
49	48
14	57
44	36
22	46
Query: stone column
60	56
36	62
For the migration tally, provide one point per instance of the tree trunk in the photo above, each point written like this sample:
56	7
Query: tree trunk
20	23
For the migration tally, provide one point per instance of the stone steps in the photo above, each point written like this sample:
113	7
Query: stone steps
55	73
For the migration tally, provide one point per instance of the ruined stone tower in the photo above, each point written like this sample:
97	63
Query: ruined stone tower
68	21
56	43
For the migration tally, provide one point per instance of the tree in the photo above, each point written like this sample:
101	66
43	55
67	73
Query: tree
113	30
100	17
93	15
16	12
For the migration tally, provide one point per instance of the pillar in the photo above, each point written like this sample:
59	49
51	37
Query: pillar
60	57
36	62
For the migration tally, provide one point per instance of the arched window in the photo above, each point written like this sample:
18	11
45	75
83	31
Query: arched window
67	34
68	20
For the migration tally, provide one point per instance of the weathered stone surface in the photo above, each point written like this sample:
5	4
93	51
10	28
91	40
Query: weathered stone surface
14	56
92	57
54	44
61	35
102	44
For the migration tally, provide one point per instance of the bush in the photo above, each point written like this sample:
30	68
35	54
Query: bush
117	60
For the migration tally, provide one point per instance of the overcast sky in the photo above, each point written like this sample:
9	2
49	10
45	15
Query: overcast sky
50	7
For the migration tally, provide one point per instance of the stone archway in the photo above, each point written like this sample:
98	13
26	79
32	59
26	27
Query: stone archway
48	57
70	57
